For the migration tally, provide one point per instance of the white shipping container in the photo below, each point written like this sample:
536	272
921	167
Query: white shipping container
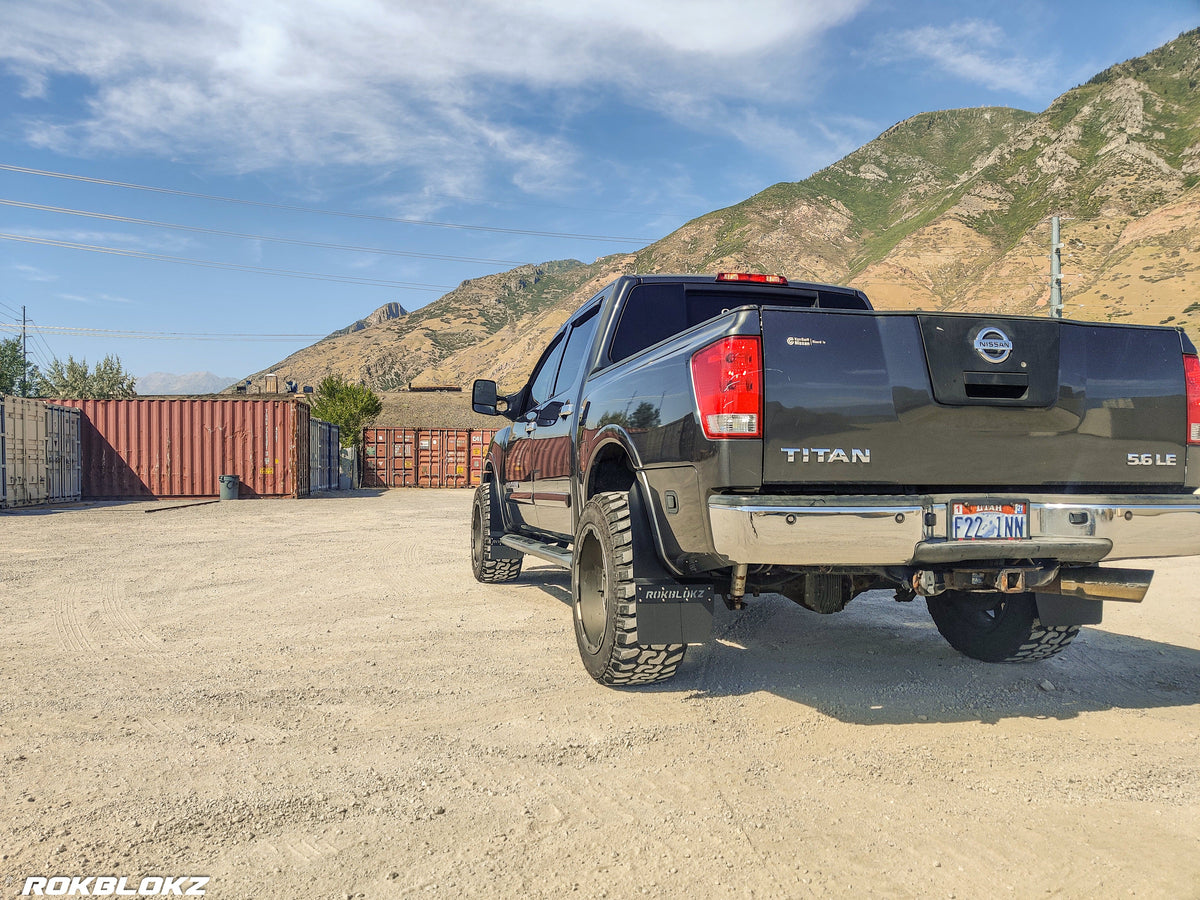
25	477
63	453
40	445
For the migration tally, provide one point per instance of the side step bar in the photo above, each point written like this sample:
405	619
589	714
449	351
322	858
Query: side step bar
551	554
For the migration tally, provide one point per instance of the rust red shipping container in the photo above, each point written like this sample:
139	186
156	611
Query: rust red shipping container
424	457
179	447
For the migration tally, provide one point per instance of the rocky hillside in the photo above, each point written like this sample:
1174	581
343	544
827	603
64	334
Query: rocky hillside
390	353
947	210
385	313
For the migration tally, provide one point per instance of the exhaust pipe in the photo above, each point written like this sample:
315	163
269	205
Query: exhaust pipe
1086	583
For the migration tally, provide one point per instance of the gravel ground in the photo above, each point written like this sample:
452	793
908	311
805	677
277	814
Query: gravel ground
315	699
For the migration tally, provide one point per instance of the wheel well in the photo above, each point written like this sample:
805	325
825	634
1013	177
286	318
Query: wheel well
611	471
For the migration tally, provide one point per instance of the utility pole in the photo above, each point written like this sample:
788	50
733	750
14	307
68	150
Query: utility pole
1056	304
24	357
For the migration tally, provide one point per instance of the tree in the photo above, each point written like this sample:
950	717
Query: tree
352	407
15	376
75	381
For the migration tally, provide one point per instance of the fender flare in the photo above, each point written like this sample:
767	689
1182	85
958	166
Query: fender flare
641	505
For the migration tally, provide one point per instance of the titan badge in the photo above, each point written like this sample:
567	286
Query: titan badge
827	455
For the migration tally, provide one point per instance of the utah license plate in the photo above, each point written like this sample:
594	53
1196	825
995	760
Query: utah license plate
989	521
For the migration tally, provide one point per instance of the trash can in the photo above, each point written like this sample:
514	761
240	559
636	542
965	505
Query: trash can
229	487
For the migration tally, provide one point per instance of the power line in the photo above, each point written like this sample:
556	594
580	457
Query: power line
541	205
327	212
37	336
51	354
80	331
212	264
256	237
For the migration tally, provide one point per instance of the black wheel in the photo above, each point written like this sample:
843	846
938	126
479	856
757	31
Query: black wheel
602	593
997	627
491	561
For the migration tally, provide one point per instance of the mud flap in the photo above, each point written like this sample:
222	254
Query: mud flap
668	612
1062	609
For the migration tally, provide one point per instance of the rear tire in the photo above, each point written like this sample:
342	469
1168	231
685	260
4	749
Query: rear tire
491	561
997	627
602	594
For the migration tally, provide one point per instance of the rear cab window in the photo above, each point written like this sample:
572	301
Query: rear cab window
655	311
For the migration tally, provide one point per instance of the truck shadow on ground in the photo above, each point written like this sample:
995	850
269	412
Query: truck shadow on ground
882	662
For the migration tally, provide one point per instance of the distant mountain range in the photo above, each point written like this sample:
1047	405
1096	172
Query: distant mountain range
946	211
157	383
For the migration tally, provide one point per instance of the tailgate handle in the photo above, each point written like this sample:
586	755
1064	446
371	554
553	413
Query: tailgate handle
995	385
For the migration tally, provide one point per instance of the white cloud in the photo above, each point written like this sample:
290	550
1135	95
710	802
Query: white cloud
447	89
975	50
155	243
32	273
94	299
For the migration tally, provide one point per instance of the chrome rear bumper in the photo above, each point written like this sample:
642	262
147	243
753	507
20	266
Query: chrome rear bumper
885	531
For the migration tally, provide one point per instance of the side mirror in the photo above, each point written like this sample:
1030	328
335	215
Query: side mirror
483	397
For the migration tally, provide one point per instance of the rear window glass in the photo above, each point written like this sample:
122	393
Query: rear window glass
654	312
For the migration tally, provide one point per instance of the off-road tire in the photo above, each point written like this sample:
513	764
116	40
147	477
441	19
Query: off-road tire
491	561
997	627
602	599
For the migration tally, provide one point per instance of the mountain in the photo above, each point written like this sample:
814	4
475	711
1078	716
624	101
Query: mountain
390	353
157	383
385	313
947	210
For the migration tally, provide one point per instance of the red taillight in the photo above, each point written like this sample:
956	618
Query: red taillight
727	380
753	277
1191	376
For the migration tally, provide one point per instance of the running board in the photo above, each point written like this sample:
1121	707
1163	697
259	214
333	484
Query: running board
551	554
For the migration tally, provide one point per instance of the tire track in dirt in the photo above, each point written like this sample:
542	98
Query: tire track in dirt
131	633
68	623
302	848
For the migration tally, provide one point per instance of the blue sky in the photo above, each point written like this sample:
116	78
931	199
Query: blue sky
601	125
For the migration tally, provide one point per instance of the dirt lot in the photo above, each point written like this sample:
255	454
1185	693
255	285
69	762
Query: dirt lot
314	699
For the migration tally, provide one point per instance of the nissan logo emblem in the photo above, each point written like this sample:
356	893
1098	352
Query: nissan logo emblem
993	345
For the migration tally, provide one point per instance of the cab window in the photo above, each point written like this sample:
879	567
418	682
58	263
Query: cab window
541	383
579	342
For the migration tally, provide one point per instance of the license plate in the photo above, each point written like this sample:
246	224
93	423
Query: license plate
989	521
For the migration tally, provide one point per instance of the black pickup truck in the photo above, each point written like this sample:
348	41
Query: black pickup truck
688	436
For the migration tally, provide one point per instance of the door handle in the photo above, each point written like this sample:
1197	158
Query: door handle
566	410
530	427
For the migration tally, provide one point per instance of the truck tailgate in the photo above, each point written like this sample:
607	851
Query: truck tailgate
932	400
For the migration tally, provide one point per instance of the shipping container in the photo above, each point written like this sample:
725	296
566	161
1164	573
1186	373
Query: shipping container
324	458
442	455
179	447
481	438
39	449
389	457
25	452
64	454
424	457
